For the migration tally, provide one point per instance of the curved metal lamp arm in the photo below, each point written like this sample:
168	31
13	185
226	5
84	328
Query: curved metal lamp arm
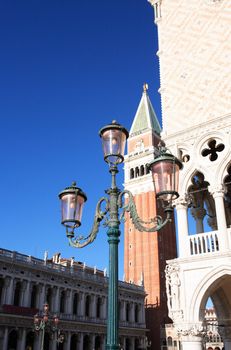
155	224
80	241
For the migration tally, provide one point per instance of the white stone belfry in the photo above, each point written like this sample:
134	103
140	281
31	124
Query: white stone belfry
195	76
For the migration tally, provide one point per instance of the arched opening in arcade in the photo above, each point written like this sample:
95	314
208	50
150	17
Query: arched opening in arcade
86	342
30	340
74	342
98	343
13	340
202	211
215	312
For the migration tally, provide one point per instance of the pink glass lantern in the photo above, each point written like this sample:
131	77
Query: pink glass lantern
72	201
114	138
165	173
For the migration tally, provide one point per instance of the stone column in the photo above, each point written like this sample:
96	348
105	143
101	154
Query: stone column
132	343
40	336
182	223
143	313
123	310
191	336
199	214
104	308
9	290
53	343
80	341
93	306
67	341
123	343
129	312
140	315
36	342
191	343
21	344
103	339
26	294
5	339
132	313
42	300
92	340
218	195
82	304
69	301
56	299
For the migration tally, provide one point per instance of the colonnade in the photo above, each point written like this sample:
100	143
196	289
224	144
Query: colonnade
218	194
81	305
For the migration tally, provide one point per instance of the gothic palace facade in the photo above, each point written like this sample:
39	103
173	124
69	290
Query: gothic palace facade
77	293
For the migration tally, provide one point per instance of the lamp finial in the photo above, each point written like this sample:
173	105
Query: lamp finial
145	87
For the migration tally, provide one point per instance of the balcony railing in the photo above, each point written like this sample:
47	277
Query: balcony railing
18	310
202	243
81	271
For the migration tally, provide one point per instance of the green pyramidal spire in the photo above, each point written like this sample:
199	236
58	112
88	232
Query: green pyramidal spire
145	118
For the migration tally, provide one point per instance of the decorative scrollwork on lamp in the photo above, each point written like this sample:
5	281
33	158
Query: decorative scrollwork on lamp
165	171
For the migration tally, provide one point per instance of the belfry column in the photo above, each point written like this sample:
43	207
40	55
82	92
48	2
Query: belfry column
218	195
182	223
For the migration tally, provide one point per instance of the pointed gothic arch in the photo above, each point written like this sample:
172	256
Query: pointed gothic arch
202	210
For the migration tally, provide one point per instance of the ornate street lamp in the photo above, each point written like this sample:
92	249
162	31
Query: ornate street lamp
46	323
164	168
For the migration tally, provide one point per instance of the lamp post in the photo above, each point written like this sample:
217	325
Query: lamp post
43	322
165	170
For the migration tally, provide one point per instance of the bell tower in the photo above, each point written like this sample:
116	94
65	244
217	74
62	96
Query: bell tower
145	254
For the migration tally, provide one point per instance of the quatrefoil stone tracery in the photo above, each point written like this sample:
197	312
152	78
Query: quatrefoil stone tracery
212	150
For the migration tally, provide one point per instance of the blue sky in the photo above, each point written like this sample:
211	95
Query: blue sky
67	68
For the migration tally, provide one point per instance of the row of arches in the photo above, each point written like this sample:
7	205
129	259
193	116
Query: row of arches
65	302
76	341
139	171
13	341
202	211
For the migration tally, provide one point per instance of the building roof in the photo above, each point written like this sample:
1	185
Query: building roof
145	118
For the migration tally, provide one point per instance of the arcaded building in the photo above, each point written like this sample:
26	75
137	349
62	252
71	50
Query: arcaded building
75	292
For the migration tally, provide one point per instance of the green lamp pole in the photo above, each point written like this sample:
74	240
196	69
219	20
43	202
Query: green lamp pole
165	170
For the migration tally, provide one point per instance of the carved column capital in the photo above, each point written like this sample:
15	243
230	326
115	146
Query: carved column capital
181	202
198	213
7	281
190	330
217	191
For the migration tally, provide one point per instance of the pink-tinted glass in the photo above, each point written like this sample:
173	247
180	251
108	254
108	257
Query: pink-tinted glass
114	142
56	319
46	307
72	208
166	178
36	319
